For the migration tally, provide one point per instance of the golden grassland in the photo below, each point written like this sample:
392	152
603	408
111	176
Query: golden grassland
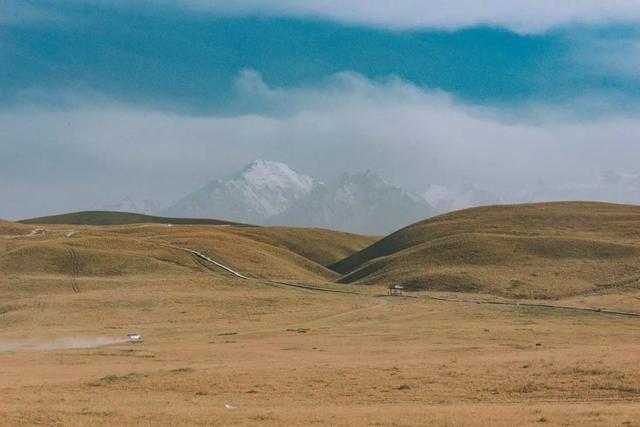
295	357
544	251
127	250
289	356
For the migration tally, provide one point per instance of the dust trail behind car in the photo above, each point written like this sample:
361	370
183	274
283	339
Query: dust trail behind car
58	344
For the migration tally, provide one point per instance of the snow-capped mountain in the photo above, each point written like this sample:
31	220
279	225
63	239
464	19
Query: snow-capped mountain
360	203
260	191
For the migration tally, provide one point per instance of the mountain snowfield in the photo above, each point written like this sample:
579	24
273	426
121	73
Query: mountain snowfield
361	203
271	193
258	192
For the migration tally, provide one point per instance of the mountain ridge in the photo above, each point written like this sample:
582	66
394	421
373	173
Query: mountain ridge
271	193
361	202
262	189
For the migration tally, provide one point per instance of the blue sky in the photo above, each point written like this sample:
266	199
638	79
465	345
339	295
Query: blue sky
85	87
168	57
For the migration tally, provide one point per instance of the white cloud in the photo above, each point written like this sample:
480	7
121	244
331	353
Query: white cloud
523	16
16	12
57	161
527	16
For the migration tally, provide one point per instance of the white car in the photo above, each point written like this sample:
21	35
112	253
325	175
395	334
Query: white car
135	337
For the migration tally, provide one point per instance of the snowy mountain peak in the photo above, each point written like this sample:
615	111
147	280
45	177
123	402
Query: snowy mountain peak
262	189
269	174
268	192
361	202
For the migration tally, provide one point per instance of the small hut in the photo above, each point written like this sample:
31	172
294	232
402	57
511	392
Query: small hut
395	290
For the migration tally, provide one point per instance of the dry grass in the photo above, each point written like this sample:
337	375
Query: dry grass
10	229
547	250
284	356
213	341
278	253
324	247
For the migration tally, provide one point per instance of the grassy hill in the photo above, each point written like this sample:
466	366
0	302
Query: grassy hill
322	246
117	218
262	252
111	251
8	228
546	250
70	294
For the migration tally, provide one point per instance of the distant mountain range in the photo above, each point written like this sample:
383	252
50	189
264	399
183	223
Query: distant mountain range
362	203
260	191
271	193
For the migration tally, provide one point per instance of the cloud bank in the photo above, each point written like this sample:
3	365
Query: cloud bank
56	161
525	16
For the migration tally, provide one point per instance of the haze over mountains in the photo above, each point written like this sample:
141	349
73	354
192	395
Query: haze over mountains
362	203
128	204
271	193
261	190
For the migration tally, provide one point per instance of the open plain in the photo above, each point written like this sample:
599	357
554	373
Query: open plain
300	343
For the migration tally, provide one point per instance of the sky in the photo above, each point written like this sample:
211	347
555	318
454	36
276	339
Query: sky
101	100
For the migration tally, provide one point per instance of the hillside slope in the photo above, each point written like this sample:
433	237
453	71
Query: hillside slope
8	228
545	250
75	251
322	246
117	218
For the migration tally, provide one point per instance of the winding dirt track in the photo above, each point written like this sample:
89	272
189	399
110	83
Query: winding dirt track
428	297
207	259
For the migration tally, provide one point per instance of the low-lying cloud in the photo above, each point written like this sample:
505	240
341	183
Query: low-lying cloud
88	156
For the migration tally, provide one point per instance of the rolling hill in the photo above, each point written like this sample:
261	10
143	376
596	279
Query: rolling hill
118	218
540	251
8	228
123	248
322	246
546	250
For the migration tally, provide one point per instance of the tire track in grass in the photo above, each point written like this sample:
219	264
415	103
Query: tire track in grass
75	270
